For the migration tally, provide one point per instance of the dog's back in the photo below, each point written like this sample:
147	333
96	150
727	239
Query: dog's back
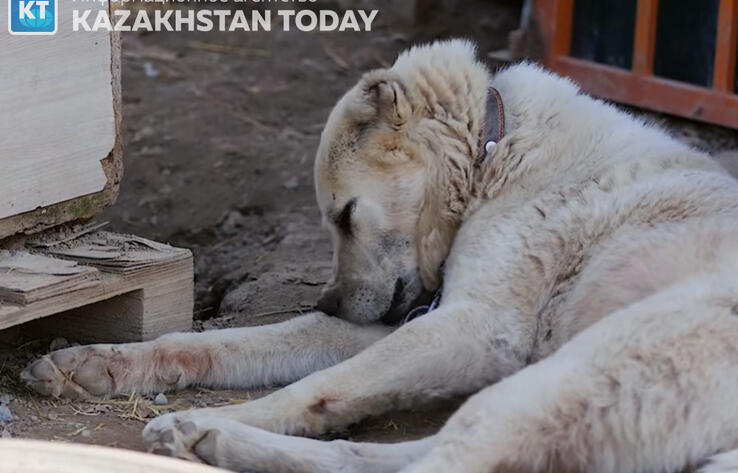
647	210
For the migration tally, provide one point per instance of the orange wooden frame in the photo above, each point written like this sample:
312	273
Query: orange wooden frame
718	104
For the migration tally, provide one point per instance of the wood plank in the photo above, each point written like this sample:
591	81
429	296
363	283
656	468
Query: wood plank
644	43
163	305
564	17
554	19
130	301
661	95
57	121
63	139
546	24
725	46
111	285
27	278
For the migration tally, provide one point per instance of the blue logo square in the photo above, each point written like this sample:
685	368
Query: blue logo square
32	17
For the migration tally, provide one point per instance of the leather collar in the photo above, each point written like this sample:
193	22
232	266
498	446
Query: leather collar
494	125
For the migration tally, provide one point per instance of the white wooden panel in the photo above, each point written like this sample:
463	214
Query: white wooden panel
56	113
34	456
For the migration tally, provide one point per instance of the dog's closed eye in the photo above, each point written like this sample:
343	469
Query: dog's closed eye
343	221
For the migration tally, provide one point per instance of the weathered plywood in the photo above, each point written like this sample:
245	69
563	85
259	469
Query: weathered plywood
60	149
122	288
27	278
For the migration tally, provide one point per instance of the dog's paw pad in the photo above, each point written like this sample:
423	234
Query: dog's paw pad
74	373
178	436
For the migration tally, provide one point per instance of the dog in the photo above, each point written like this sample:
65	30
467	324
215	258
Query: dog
586	264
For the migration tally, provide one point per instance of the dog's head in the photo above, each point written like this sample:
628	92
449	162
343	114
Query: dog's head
391	178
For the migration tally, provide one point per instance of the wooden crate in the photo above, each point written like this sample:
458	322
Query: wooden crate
638	86
60	126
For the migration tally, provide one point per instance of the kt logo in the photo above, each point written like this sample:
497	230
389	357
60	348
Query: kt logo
32	16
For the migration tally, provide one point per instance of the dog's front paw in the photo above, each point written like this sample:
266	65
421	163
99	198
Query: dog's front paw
75	373
189	436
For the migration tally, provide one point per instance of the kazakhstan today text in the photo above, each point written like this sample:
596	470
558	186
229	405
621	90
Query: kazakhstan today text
222	20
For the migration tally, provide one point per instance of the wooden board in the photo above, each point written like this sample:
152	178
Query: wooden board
27	278
34	456
140	290
60	146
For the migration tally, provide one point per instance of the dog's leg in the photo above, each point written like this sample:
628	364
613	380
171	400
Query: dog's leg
229	444
482	331
450	351
652	387
242	357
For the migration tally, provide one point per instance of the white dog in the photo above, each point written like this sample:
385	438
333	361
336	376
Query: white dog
589	272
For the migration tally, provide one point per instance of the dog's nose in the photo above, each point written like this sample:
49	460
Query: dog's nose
329	302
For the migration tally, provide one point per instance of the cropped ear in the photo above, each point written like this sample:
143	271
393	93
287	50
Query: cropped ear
384	90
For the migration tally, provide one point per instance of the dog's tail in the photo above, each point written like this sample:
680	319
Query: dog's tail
726	462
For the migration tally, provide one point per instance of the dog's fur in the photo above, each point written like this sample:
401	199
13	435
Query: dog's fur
590	294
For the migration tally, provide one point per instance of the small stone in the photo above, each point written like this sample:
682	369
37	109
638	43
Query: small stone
5	399
86	433
58	344
232	222
5	415
150	70
161	400
6	434
291	183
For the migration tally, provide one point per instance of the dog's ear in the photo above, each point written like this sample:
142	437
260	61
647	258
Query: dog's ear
434	245
444	202
384	91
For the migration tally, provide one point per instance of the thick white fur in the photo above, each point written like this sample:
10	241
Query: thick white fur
590	301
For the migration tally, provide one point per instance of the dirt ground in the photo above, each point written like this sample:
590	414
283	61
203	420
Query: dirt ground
220	133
